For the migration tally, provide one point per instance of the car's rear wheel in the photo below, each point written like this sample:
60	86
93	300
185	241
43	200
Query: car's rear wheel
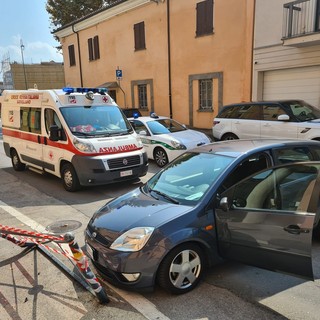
16	163
182	269
160	157
229	136
69	178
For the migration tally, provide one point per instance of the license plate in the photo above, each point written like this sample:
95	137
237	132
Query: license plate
126	173
89	251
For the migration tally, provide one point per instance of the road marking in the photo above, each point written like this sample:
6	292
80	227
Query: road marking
24	219
137	301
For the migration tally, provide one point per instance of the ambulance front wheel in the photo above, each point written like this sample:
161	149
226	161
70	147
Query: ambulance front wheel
69	178
16	163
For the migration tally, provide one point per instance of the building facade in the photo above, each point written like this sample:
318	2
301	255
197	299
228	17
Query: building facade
179	58
286	53
45	75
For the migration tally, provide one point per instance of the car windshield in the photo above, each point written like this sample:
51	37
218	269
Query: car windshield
304	111
163	126
96	120
187	178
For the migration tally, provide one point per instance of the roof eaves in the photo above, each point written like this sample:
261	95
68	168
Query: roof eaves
103	14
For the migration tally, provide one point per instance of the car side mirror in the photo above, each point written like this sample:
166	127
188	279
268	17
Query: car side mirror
283	117
143	133
54	133
224	204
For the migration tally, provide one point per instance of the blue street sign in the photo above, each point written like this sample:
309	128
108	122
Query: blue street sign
119	74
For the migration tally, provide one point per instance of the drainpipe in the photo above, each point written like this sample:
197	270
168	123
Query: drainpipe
79	55
169	57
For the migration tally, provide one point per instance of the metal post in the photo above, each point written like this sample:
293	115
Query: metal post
24	69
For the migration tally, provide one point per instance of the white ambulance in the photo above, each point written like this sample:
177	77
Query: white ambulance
78	134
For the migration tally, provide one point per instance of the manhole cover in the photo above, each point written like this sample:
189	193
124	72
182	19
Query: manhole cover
63	226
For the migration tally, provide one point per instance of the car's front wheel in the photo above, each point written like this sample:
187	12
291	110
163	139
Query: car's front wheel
160	157
69	178
182	269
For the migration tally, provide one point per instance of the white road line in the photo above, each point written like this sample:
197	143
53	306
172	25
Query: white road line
24	219
142	305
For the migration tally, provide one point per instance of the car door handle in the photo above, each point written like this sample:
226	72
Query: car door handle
294	229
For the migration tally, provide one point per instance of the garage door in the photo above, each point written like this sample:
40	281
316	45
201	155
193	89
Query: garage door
295	83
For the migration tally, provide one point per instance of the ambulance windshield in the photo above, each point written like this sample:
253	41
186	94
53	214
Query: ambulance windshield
96	121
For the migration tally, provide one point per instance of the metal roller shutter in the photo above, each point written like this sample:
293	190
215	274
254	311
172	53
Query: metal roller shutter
295	83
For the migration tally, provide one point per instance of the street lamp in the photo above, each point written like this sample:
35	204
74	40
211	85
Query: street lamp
24	69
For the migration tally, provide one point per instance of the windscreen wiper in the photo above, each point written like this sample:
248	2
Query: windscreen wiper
164	196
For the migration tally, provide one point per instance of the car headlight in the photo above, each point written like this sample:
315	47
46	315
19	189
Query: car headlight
132	240
84	146
178	145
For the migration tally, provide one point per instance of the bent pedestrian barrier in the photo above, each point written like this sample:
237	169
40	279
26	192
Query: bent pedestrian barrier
38	241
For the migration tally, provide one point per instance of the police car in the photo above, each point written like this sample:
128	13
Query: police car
164	139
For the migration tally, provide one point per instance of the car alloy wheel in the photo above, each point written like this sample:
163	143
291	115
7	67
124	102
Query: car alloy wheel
182	269
160	157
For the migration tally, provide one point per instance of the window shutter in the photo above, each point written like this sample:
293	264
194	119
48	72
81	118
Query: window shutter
90	48
139	36
96	47
72	58
200	18
204	17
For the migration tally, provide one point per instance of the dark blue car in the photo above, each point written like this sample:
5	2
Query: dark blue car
253	201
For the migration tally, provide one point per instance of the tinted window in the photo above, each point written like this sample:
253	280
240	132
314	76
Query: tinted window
271	112
246	168
229	112
248	112
295	154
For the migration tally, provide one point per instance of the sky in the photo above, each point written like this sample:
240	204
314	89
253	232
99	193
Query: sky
26	20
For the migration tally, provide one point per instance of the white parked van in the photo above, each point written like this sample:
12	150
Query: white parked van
78	134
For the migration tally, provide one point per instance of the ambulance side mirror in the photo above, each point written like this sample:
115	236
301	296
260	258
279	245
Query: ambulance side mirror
54	133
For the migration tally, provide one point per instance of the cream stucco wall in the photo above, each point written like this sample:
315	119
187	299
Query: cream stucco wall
225	55
270	52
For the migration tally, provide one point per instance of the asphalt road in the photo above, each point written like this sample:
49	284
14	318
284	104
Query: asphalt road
32	287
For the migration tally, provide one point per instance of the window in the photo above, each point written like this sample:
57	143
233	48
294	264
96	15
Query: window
51	118
139	126
72	57
271	113
249	112
205	94
139	36
93	47
277	189
296	154
254	163
30	120
204	18
142	96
